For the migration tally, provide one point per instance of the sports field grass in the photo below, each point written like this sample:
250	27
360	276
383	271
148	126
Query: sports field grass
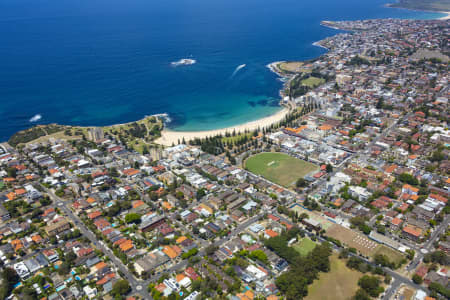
340	283
280	168
304	246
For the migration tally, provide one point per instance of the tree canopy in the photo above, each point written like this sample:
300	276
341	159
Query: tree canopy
121	287
9	279
133	218
408	178
371	284
304	269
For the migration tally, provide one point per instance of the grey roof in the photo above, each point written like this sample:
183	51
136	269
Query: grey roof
74	291
3	210
6	248
32	264
54	296
42	260
152	261
107	287
92	261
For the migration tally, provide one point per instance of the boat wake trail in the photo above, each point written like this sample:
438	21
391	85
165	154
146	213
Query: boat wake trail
237	69
35	118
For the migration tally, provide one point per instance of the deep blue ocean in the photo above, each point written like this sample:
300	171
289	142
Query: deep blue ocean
100	62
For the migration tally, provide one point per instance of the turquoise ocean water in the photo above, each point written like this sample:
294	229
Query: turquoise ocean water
100	62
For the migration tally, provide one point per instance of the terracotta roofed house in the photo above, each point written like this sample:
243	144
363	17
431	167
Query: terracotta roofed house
408	189
126	246
412	232
169	252
270	233
94	215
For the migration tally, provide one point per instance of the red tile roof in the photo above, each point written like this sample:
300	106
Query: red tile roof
412	231
94	215
272	217
190	272
396	221
271	233
130	172
438	197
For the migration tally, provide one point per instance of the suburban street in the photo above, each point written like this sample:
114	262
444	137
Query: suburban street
434	236
136	285
337	186
139	286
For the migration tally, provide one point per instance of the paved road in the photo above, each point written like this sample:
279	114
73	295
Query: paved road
35	252
139	286
397	279
136	285
182	265
429	243
436	233
395	284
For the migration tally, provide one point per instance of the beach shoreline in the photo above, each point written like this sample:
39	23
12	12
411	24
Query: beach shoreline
446	17
171	137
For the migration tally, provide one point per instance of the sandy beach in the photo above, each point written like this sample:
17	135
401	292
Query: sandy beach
169	137
447	17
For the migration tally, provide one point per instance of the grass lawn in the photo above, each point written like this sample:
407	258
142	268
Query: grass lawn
237	137
58	135
313	81
392	254
280	168
145	125
304	246
291	66
340	283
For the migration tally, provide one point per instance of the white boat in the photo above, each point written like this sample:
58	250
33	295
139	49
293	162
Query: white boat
183	62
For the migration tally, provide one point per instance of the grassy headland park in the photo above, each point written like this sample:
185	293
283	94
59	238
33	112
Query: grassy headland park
136	135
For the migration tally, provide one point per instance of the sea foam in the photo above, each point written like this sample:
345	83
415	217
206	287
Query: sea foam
35	118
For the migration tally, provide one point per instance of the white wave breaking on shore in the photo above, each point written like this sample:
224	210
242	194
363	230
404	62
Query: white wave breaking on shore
317	44
35	118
